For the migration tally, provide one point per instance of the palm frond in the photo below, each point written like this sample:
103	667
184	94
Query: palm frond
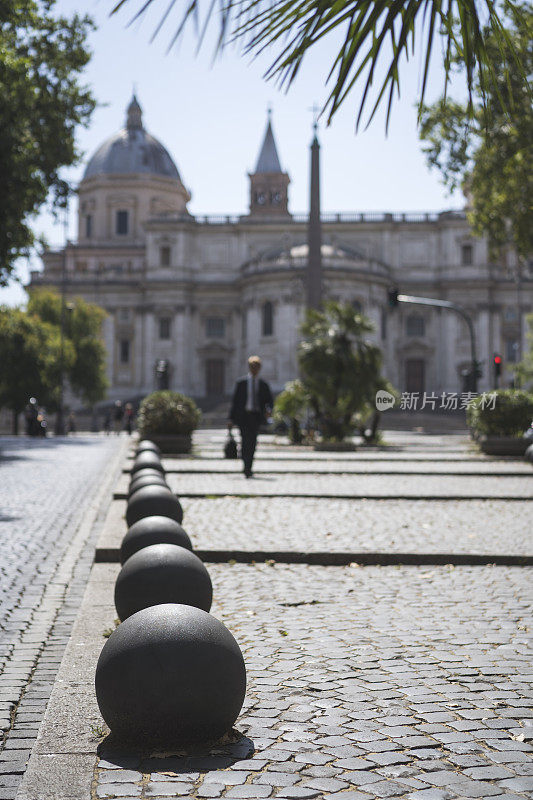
375	37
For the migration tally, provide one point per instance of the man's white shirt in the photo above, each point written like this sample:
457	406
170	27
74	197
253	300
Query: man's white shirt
250	393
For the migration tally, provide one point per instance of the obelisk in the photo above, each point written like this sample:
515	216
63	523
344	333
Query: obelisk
314	231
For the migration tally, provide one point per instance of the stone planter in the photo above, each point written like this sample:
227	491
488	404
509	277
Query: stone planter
175	444
504	445
335	447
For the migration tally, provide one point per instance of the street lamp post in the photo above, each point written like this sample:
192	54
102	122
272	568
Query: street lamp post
395	298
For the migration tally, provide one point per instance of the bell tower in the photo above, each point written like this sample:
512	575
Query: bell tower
268	183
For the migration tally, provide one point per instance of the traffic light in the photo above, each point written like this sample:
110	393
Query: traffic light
393	297
498	361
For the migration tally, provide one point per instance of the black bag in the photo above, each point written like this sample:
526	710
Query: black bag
230	448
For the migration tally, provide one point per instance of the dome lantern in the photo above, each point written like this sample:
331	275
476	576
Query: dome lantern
134	119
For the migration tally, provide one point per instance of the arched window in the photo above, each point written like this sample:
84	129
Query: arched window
415	325
268	319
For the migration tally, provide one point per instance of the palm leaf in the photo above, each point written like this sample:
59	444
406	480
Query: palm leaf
372	34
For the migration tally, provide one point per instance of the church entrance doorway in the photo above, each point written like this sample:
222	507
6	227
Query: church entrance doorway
415	378
214	377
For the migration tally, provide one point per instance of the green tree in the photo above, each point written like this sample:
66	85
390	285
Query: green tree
490	153
292	404
83	330
29	365
41	103
374	38
524	369
340	369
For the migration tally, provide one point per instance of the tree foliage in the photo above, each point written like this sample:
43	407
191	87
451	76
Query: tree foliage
490	153
83	330
511	415
30	360
340	369
41	103
373	37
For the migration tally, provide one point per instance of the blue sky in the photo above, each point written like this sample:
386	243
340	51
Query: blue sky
211	116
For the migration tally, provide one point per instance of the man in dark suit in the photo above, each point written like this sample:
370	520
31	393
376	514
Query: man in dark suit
252	402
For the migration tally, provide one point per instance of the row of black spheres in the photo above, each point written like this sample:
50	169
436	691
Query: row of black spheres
170	674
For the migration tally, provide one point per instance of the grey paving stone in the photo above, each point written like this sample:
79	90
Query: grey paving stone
226	778
210	790
276	778
326	784
164	789
518	784
488	773
312	757
389	758
353	763
108	790
351	795
249	791
388	789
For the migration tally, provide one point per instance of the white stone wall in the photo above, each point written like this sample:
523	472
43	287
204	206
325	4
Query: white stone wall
207	277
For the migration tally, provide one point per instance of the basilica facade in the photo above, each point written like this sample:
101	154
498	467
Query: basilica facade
188	298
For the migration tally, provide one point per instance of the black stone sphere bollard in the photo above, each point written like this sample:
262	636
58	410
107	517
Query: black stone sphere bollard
162	573
145	445
528	455
153	530
170	675
147	459
150	501
145	479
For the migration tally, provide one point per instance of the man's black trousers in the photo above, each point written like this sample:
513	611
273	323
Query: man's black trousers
249	428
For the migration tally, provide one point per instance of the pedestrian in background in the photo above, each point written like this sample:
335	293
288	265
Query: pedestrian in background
128	416
118	416
252	401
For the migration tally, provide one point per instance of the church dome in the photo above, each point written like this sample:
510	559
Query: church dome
132	150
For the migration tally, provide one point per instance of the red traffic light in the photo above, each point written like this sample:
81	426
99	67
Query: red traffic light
497	359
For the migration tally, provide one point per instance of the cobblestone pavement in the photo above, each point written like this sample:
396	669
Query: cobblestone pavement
347	485
363	683
45	558
314	524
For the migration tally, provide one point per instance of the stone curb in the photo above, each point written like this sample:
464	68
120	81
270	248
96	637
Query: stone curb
525	473
111	555
367	496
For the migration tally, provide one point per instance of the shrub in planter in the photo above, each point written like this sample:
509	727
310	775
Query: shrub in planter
511	415
168	419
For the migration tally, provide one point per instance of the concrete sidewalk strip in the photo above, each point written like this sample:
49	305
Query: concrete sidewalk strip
311	525
370	681
354	486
